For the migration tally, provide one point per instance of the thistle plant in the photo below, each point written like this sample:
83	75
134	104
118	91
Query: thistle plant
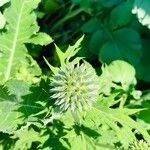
74	87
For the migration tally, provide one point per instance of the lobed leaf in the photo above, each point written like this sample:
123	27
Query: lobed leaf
21	28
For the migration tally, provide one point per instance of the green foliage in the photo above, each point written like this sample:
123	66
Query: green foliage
2	21
139	145
43	108
25	138
2	18
120	72
124	46
19	103
112	31
22	28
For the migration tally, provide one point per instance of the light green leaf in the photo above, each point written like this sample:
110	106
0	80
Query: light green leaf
53	69
8	114
117	72
25	138
69	53
113	116
121	72
73	50
40	39
2	21
76	141
21	27
141	9
19	103
61	55
64	57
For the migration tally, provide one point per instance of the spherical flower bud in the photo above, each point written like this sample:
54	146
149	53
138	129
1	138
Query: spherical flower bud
74	87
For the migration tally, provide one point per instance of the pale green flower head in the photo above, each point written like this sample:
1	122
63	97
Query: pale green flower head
74	87
139	145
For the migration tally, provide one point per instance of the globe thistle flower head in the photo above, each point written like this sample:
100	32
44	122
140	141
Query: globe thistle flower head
74	87
139	145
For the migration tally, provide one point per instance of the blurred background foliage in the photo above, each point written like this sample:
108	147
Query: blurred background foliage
111	32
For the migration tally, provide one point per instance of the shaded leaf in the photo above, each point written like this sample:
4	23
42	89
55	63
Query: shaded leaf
125	45
121	19
19	102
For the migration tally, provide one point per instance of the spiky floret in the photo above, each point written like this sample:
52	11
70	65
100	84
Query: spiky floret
74	87
139	145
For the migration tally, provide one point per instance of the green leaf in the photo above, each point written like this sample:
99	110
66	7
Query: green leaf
40	39
121	72
53	137
124	129
76	141
21	27
73	50
141	9
61	55
143	116
96	41
8	116
83	3
143	67
50	6
70	52
121	19
19	102
2	21
53	69
82	137
91	26
125	45
110	3
25	137
64	57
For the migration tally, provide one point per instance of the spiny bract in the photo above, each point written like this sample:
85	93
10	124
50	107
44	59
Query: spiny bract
74	87
139	145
